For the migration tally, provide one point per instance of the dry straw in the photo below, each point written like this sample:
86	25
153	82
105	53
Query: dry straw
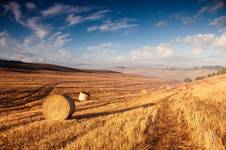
143	92
83	96
58	107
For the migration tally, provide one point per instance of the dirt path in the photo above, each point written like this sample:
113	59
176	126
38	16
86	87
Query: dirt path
169	130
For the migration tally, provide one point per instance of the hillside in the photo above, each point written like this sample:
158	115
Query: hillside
173	74
18	66
118	116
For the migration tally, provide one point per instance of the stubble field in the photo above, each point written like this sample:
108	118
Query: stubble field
118	115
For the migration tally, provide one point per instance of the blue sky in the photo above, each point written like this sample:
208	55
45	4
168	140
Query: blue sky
110	32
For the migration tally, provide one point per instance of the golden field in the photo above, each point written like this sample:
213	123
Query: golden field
119	114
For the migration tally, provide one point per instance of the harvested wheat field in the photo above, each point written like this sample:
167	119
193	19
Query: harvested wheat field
117	116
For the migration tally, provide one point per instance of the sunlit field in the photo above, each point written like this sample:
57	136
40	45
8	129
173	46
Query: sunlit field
118	115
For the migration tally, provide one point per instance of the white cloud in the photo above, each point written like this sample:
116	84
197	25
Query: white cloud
3	38
198	42
113	25
220	41
35	25
220	4
101	47
53	50
161	51
30	5
202	42
58	8
199	49
220	22
60	39
99	53
73	20
14	7
161	23
98	15
187	19
33	49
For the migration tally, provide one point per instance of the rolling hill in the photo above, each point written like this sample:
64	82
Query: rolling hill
18	66
173	74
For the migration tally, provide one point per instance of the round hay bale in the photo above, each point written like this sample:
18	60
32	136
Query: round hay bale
168	87
143	92
58	107
185	86
83	96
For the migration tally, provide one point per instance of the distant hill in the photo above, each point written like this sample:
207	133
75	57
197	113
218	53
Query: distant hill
209	67
19	66
175	74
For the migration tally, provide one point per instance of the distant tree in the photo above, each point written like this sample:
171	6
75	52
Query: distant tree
223	71
210	75
200	78
187	80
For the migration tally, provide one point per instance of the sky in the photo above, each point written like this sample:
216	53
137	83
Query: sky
107	33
